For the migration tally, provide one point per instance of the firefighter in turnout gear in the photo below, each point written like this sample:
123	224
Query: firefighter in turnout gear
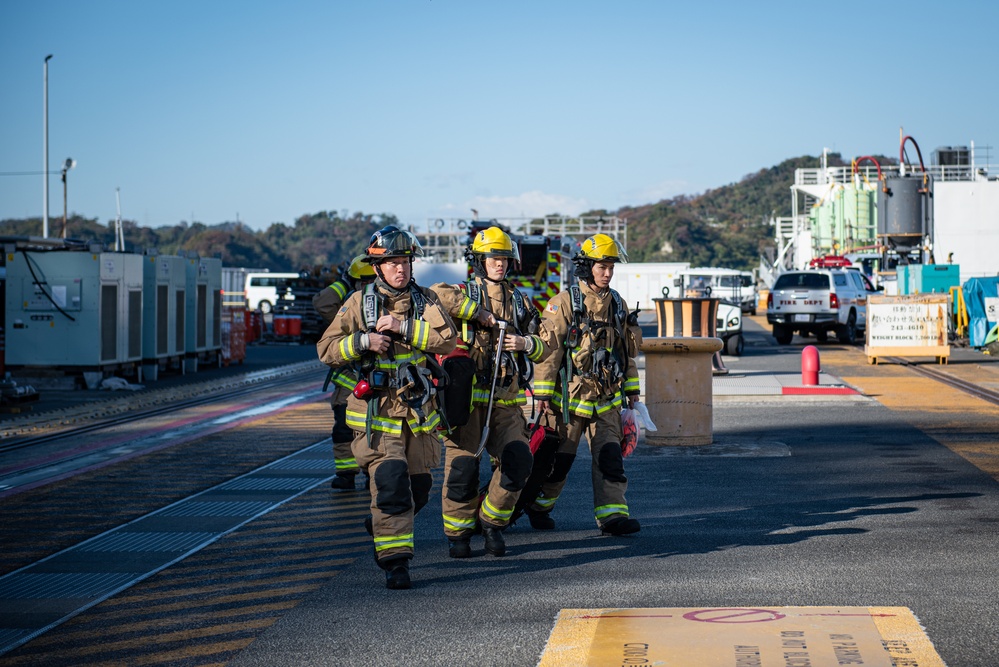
389	331
327	302
480	303
586	383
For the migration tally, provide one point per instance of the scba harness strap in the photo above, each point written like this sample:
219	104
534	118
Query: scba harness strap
604	365
418	302
416	384
520	312
516	363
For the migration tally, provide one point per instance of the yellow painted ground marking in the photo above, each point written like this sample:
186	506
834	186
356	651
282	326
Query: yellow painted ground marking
739	637
973	433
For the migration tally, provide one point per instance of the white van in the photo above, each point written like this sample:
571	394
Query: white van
737	288
261	290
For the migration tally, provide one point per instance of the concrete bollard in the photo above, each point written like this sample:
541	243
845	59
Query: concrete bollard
810	366
678	394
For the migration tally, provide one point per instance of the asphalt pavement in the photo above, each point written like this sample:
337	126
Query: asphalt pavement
799	501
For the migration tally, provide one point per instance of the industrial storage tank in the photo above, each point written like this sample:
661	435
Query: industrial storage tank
79	311
164	288
203	340
903	213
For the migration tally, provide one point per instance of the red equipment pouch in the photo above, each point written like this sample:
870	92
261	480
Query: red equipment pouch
629	431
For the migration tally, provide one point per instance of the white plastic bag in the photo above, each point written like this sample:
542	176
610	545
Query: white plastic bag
643	415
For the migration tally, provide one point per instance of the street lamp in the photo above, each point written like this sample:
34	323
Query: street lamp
69	164
45	151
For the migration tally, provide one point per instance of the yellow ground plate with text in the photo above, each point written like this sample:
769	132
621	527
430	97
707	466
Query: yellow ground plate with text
739	637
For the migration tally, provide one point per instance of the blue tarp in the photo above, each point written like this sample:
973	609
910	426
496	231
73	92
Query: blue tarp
976	290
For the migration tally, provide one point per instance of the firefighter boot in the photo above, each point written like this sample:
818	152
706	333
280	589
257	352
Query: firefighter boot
495	544
540	520
343	481
620	525
396	573
459	547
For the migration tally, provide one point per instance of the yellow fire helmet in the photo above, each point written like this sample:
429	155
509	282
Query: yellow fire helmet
602	248
359	269
494	242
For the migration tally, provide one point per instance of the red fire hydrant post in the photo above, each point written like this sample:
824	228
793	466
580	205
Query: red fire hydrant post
810	366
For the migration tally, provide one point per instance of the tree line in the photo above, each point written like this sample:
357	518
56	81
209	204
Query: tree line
726	226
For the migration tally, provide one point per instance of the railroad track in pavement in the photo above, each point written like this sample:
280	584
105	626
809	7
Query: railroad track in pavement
948	379
95	415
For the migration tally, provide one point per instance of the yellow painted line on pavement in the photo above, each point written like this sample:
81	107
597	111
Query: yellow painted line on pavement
973	430
739	637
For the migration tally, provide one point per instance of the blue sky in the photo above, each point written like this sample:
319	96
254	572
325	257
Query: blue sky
207	111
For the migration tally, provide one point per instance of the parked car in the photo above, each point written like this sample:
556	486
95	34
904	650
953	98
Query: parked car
819	301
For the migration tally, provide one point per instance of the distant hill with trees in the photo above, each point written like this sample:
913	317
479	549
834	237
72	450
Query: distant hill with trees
725	226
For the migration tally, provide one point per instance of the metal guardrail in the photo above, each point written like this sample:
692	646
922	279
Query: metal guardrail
444	239
820	176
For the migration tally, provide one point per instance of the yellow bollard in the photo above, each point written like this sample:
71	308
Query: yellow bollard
678	389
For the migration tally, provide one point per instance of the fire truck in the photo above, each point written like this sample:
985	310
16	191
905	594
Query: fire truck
546	247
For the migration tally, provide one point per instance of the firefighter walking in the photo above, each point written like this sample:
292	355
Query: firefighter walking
327	302
388	330
586	383
480	304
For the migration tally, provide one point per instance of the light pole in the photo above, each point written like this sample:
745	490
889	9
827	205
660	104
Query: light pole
69	164
45	151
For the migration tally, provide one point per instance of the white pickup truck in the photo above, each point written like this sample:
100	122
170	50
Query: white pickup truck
819	301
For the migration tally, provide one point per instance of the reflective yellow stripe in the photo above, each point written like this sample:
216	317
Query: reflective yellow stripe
545	503
631	384
358	421
421	334
493	513
415	357
539	349
605	511
466	308
343	465
616	402
429	425
586	408
454	523
344	378
481	397
339	288
394	542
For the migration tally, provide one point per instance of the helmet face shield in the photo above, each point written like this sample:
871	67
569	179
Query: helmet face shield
392	242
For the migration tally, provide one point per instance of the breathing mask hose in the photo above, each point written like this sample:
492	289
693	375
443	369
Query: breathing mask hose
492	391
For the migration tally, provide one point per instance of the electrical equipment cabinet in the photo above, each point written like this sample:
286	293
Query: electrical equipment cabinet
164	311
73	309
203	323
